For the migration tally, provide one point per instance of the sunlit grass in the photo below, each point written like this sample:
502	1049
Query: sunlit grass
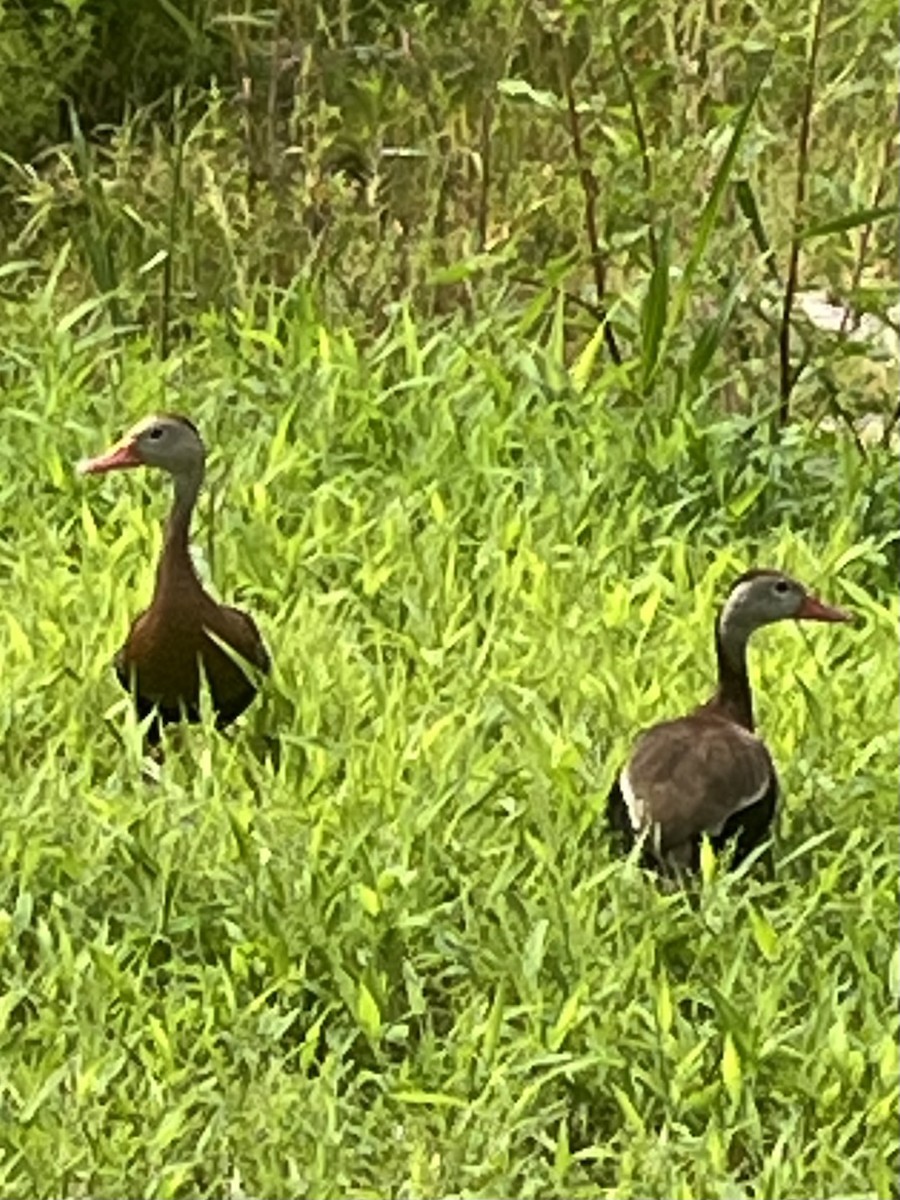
374	941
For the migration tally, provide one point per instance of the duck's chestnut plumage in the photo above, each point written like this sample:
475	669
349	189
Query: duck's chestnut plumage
708	772
185	635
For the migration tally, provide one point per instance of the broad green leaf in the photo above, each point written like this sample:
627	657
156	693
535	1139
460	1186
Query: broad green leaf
764	934
732	1074
838	1042
369	899
581	370
631	1114
567	1019
520	89
562	1154
741	503
708	862
42	1093
438	508
894	974
492	1027
664	1009
18	266
533	952
367	1012
889	1061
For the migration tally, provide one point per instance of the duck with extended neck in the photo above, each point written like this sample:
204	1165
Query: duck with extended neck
184	631
708	773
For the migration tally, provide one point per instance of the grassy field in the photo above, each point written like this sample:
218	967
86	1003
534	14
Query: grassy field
515	331
374	942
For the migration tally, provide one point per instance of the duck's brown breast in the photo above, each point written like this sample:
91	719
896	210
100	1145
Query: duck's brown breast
169	642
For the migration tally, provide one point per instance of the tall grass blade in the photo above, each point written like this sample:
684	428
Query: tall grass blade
710	213
711	335
747	202
848	221
655	310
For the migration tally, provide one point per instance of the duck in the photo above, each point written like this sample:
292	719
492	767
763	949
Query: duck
184	631
709	773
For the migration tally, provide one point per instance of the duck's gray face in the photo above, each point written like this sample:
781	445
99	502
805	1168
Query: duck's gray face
769	596
162	441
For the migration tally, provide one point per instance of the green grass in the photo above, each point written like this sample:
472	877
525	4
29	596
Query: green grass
374	942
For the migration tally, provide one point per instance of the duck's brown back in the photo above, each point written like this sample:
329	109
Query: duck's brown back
701	774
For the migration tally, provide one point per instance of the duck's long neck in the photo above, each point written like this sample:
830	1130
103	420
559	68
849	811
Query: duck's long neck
733	697
175	565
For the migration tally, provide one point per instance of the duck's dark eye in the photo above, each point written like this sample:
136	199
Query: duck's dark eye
782	586
155	433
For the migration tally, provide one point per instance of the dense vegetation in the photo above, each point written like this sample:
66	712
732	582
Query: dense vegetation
500	324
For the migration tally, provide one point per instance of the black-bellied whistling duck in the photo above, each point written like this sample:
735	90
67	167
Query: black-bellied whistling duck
162	656
708	773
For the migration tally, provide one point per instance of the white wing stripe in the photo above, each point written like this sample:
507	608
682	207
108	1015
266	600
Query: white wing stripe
637	810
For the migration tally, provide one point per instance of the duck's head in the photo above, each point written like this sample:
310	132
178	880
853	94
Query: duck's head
763	596
164	440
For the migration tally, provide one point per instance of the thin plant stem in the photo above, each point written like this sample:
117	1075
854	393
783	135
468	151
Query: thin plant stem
787	377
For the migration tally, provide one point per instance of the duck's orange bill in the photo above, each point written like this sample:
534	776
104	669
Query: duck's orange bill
122	455
813	609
